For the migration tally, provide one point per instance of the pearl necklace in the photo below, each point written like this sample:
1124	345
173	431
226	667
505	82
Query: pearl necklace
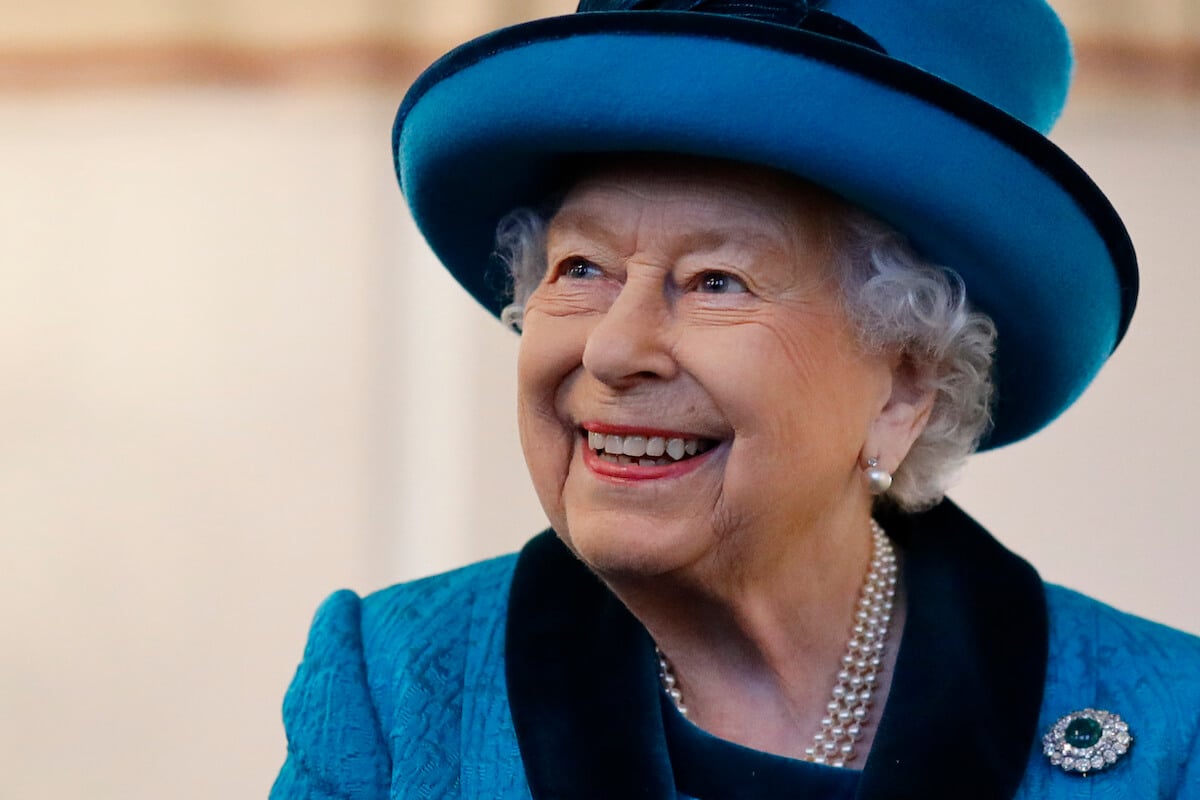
848	712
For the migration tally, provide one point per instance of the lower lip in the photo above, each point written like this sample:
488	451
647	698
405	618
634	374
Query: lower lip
636	472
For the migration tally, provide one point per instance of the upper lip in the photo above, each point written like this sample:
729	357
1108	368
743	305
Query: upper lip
640	430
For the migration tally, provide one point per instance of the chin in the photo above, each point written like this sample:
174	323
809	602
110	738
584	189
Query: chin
618	545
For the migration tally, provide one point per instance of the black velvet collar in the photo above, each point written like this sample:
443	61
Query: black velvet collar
582	684
960	720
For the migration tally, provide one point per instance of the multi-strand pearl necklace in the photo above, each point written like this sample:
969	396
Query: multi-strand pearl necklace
849	710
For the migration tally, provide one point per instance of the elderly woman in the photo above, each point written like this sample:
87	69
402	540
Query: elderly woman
778	268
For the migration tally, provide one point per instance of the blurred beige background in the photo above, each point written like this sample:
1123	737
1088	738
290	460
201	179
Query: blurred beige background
234	379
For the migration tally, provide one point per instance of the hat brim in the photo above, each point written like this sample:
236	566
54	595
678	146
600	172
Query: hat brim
1040	249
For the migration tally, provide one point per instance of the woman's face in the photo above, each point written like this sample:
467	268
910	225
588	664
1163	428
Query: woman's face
691	391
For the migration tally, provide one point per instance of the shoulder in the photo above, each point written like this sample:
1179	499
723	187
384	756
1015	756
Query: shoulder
450	598
351	630
335	748
410	642
422	639
1149	674
1082	626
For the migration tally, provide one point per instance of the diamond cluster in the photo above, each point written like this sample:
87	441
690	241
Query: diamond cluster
1087	741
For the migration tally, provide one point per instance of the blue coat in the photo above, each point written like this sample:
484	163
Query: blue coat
522	677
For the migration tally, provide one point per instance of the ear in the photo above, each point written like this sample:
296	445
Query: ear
903	417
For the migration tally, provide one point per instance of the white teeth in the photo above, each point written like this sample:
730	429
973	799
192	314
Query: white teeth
634	446
644	451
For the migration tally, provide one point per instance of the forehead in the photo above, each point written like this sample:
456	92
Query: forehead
693	197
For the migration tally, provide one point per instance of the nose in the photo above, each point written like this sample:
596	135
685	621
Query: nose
630	342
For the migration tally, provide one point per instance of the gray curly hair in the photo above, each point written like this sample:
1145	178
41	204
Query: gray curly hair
900	304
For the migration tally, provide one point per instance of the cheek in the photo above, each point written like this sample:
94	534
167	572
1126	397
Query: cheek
795	386
547	363
550	353
809	339
825	372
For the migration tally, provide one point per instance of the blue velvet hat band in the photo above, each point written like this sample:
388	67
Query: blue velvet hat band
964	174
799	14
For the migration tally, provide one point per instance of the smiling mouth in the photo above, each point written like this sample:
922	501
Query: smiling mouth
645	451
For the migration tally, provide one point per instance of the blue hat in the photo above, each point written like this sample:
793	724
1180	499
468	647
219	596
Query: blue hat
930	114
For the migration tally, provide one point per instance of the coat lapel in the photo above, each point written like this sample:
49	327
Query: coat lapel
963	710
582	684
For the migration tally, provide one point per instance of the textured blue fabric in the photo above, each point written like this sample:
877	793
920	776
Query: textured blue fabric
496	124
1147	673
342	752
401	695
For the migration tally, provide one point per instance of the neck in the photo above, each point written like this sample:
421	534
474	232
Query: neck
756	646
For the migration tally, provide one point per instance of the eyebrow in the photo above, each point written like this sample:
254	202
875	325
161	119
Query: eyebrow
578	222
701	240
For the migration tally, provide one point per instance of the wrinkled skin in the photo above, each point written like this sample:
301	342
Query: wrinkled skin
699	297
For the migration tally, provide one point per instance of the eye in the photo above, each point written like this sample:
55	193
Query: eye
719	283
577	269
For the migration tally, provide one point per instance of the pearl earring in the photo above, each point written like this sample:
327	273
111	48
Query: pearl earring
878	480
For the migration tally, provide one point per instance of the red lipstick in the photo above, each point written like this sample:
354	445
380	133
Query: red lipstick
632	430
